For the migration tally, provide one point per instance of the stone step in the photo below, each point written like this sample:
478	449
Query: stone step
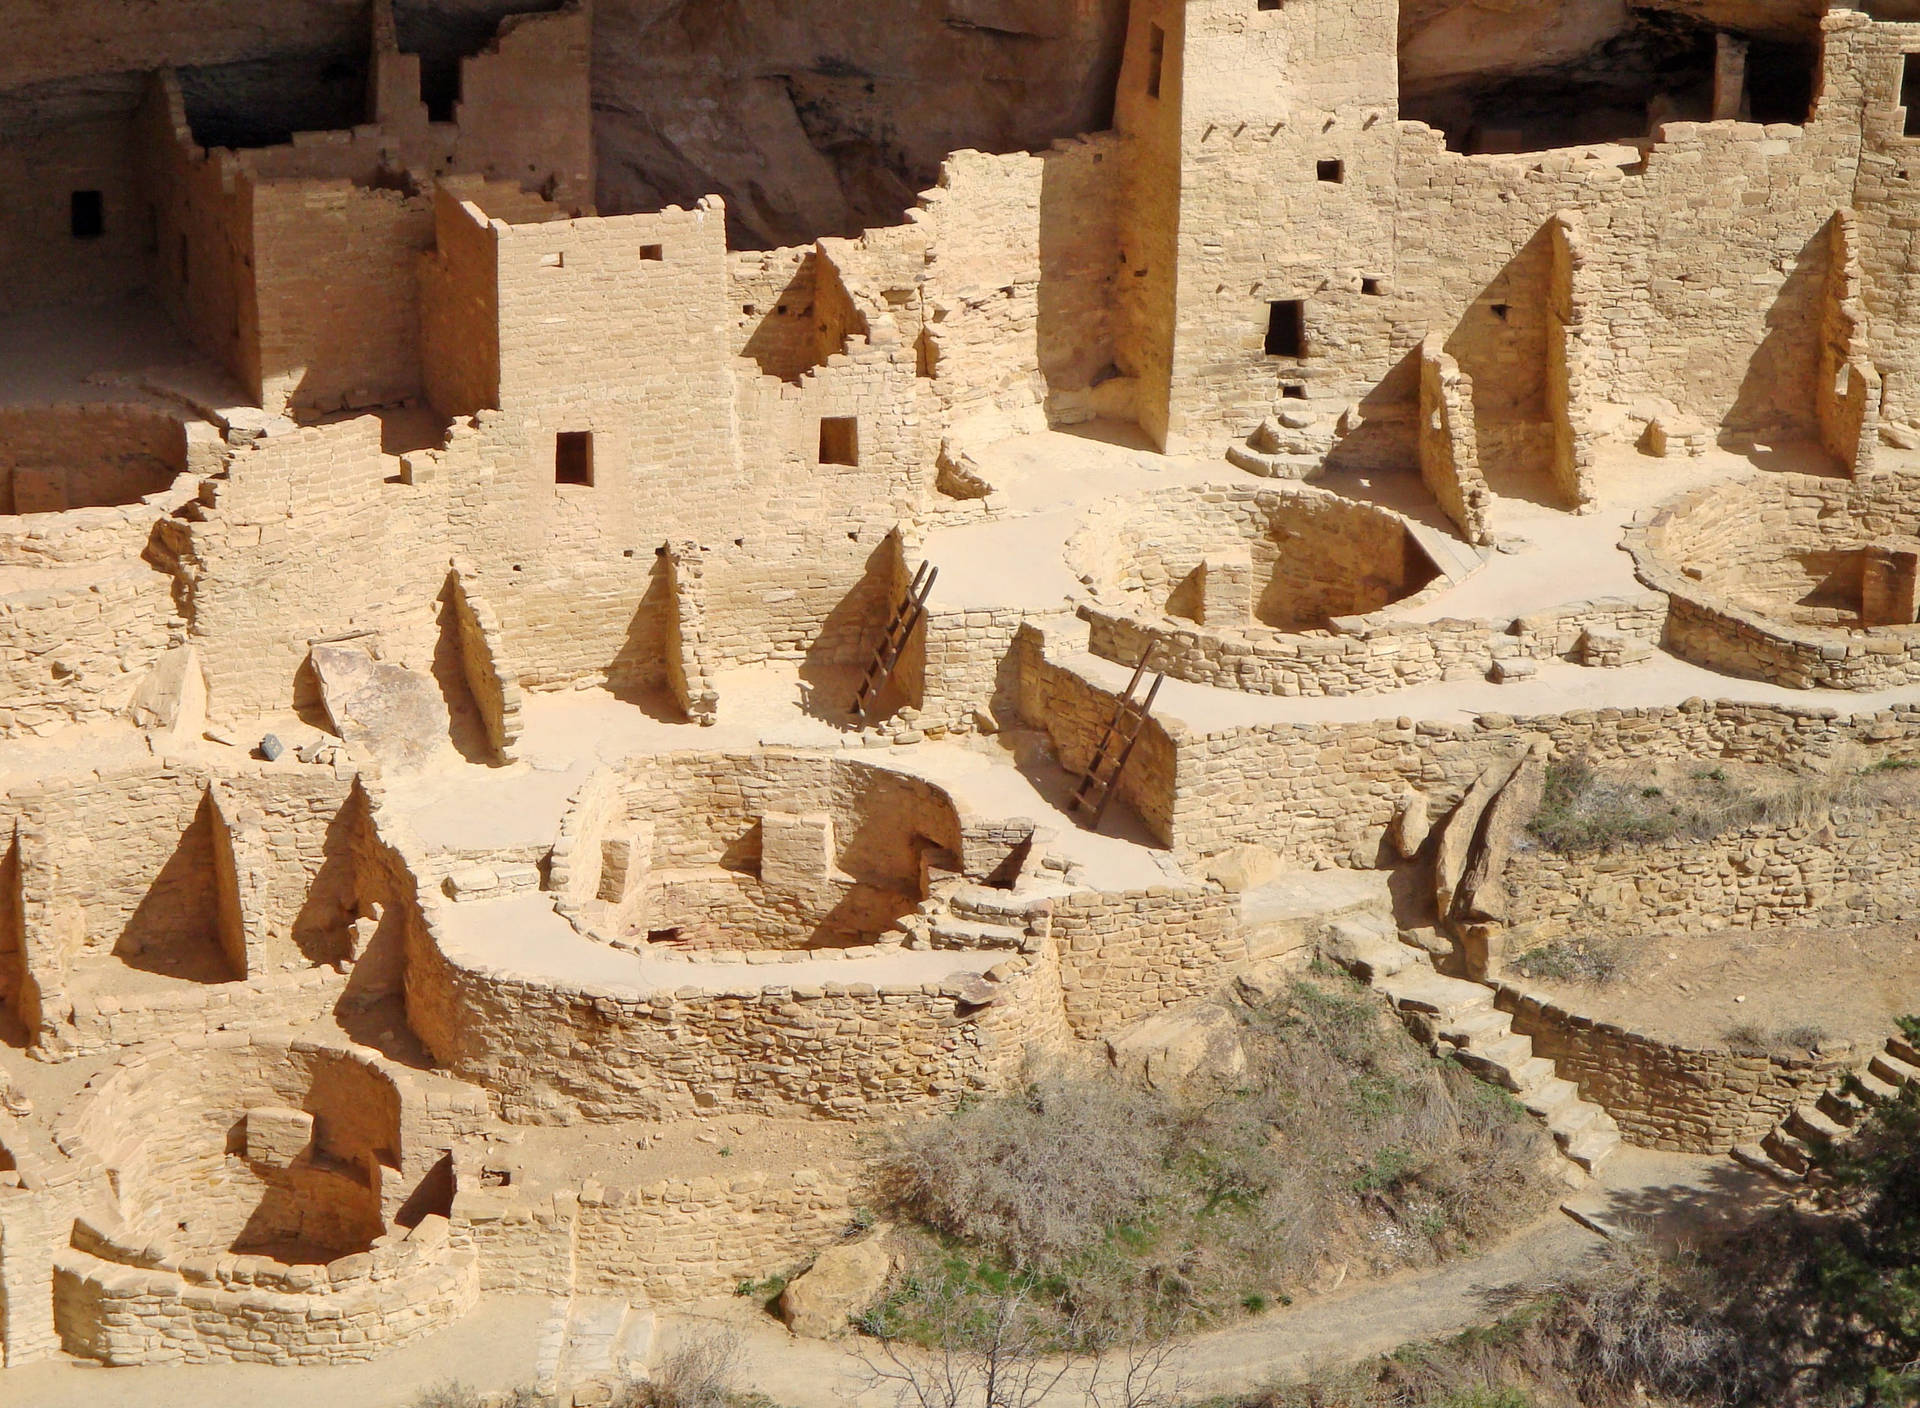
1759	1160
1787	1151
961	933
1369	952
1892	1070
1419	989
1507	1049
1569	1120
1477	1027
1520	1077
1842	1107
1551	1096
1590	1147
1807	1123
593	1325
1901	1049
1873	1087
984	902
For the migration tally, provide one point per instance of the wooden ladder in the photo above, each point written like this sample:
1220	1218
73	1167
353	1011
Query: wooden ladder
906	615
1110	756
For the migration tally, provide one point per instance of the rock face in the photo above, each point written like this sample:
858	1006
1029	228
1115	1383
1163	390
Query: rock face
842	1282
820	118
810	117
394	713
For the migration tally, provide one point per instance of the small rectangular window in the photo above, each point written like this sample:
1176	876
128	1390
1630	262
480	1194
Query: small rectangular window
1370	287
653	253
1269	4
1500	311
87	215
1156	58
839	440
573	457
1293	391
1287	328
1334	171
555	260
1910	93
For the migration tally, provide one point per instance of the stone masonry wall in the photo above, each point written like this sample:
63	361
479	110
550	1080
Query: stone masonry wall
1697	1100
1852	864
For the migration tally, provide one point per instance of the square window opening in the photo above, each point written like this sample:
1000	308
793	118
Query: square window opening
573	457
87	215
555	260
653	253
1910	93
1287	328
1293	391
839	440
1500	311
1370	287
1156	58
1334	171
1268	5
440	87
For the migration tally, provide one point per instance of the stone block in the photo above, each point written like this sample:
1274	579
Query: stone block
796	849
277	1136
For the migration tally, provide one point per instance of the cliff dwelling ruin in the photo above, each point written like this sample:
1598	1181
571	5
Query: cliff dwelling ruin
603	601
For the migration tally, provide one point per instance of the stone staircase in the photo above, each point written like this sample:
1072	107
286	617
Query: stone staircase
1786	1153
1458	1018
590	1338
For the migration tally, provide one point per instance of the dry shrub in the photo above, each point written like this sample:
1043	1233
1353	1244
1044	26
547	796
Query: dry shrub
1115	1209
702	1371
1633	1327
1040	1176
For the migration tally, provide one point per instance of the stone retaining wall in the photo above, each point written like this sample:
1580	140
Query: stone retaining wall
1854	864
1364	654
1666	1095
675	1240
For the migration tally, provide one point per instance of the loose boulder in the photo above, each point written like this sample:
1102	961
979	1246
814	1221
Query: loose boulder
396	714
1197	1044
842	1282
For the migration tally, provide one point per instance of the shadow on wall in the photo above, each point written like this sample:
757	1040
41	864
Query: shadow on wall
468	731
174	930
332	899
15	1029
783	342
1776	395
840	649
637	674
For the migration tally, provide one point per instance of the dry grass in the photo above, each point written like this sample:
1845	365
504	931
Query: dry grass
1753	1039
1583	811
1590	960
1347	1149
